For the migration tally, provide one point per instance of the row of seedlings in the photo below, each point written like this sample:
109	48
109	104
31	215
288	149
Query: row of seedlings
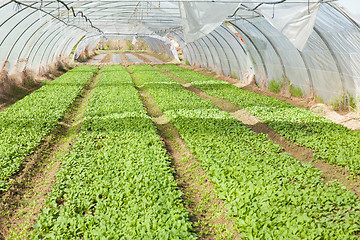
269	194
330	142
27	122
116	183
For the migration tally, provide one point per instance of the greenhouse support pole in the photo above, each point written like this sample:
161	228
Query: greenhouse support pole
186	46
217	52
276	51
256	48
227	57
237	60
212	57
206	60
237	40
336	62
308	72
357	26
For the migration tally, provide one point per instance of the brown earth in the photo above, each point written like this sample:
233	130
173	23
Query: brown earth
142	57
156	56
107	58
125	59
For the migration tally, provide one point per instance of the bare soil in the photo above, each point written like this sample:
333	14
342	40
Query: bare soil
125	59
107	58
142	57
156	56
21	204
207	212
303	154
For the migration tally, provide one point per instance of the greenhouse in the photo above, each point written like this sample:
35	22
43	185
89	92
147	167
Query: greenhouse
207	119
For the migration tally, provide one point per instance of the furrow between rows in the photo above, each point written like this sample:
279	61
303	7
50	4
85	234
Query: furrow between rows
117	181
269	194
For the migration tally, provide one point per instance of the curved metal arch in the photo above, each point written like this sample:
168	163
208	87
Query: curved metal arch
357	26
208	49
13	14
8	33
333	55
67	46
187	46
197	56
203	52
31	36
234	36
217	53
49	13
45	35
91	11
53	45
51	22
31	25
308	72
20	36
227	57
255	47
273	46
177	38
232	50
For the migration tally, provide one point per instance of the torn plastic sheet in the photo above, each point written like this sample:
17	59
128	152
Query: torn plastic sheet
201	18
167	43
294	18
134	40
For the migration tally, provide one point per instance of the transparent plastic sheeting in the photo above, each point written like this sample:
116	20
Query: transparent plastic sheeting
328	66
31	38
88	43
161	45
201	18
295	19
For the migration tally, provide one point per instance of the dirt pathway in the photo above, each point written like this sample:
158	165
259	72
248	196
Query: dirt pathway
107	58
20	206
125	59
305	155
142	57
207	212
156	57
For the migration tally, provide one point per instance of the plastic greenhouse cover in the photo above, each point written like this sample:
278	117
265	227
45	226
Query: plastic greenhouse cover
166	41
201	18
90	41
294	18
352	7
